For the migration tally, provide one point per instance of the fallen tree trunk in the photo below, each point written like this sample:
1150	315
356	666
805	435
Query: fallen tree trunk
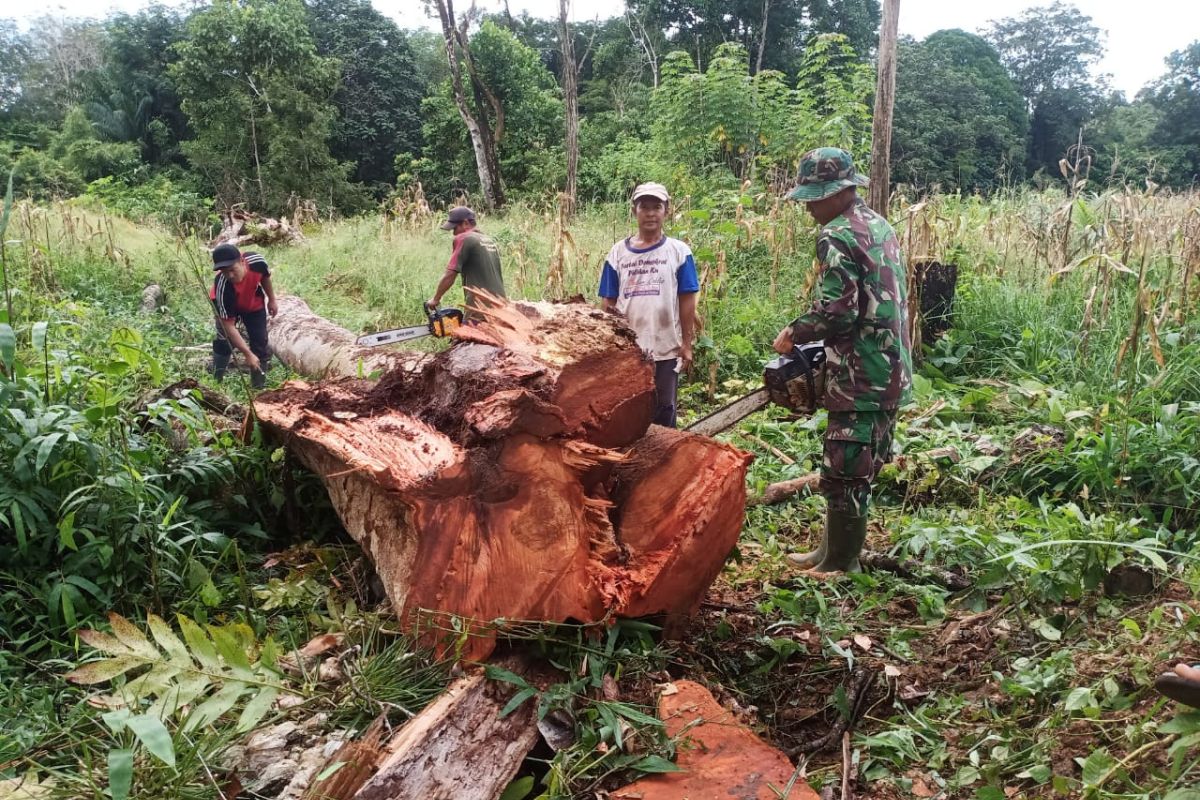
315	347
513	477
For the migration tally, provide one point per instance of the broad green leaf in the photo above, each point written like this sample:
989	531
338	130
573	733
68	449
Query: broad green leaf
1096	766
183	692
1080	697
1185	723
8	203
654	764
1186	793
990	793
331	770
66	531
38	335
104	642
199	644
103	671
120	773
518	789
495	673
257	708
8	345
229	646
131	637
517	699
168	641
211	709
151	732
154	682
633	715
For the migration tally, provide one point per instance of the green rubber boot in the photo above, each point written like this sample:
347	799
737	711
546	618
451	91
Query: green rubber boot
814	557
845	534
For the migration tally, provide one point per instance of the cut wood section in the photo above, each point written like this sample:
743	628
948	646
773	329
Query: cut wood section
718	757
783	490
488	487
458	747
315	347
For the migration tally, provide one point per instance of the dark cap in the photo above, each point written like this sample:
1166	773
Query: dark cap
458	214
225	255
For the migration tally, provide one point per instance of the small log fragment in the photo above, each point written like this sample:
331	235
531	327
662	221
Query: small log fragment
719	757
153	298
458	747
783	490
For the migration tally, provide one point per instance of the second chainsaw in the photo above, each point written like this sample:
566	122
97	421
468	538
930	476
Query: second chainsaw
795	381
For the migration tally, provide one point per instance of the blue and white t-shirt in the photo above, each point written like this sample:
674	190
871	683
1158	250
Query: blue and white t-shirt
646	284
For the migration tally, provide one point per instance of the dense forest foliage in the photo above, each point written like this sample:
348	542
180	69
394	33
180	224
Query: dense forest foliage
171	114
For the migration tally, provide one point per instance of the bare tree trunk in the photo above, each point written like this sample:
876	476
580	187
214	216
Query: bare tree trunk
570	84
762	42
641	37
885	91
482	140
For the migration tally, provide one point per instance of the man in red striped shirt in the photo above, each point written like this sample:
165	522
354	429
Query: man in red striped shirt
241	291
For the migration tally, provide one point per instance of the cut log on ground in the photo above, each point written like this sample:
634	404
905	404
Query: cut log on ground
718	757
783	490
241	228
153	298
513	477
459	747
315	347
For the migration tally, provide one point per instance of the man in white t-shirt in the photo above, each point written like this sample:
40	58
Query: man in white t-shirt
650	279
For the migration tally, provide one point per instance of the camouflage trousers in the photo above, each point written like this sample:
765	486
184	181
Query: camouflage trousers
857	445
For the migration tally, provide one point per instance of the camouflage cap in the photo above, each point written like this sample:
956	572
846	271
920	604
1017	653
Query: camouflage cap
823	172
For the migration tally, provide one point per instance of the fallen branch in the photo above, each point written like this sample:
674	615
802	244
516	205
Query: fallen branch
915	571
856	696
778	492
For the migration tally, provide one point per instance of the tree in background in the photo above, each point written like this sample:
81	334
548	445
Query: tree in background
14	52
259	98
480	111
960	121
773	32
136	99
377	99
726	123
1050	52
1176	98
61	58
524	114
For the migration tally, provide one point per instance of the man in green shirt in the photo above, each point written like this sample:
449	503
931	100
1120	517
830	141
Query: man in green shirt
476	257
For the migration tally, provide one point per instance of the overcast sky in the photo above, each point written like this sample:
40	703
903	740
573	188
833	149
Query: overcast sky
1140	33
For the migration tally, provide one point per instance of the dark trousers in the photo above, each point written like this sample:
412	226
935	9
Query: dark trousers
666	390
255	326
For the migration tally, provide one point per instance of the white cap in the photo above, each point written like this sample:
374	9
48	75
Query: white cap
651	190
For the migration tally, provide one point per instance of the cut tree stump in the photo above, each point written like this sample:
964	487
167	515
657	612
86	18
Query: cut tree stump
315	347
515	476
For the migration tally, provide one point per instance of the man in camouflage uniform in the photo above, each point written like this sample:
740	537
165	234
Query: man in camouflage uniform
861	312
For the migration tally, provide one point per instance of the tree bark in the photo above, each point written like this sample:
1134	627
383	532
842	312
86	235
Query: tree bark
513	477
483	140
314	346
459	747
881	125
570	84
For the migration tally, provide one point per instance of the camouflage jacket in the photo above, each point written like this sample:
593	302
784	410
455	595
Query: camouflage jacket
861	313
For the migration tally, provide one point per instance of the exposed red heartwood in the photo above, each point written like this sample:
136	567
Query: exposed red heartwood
485	486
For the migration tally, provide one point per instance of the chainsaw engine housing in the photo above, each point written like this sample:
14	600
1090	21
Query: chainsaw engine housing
797	381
